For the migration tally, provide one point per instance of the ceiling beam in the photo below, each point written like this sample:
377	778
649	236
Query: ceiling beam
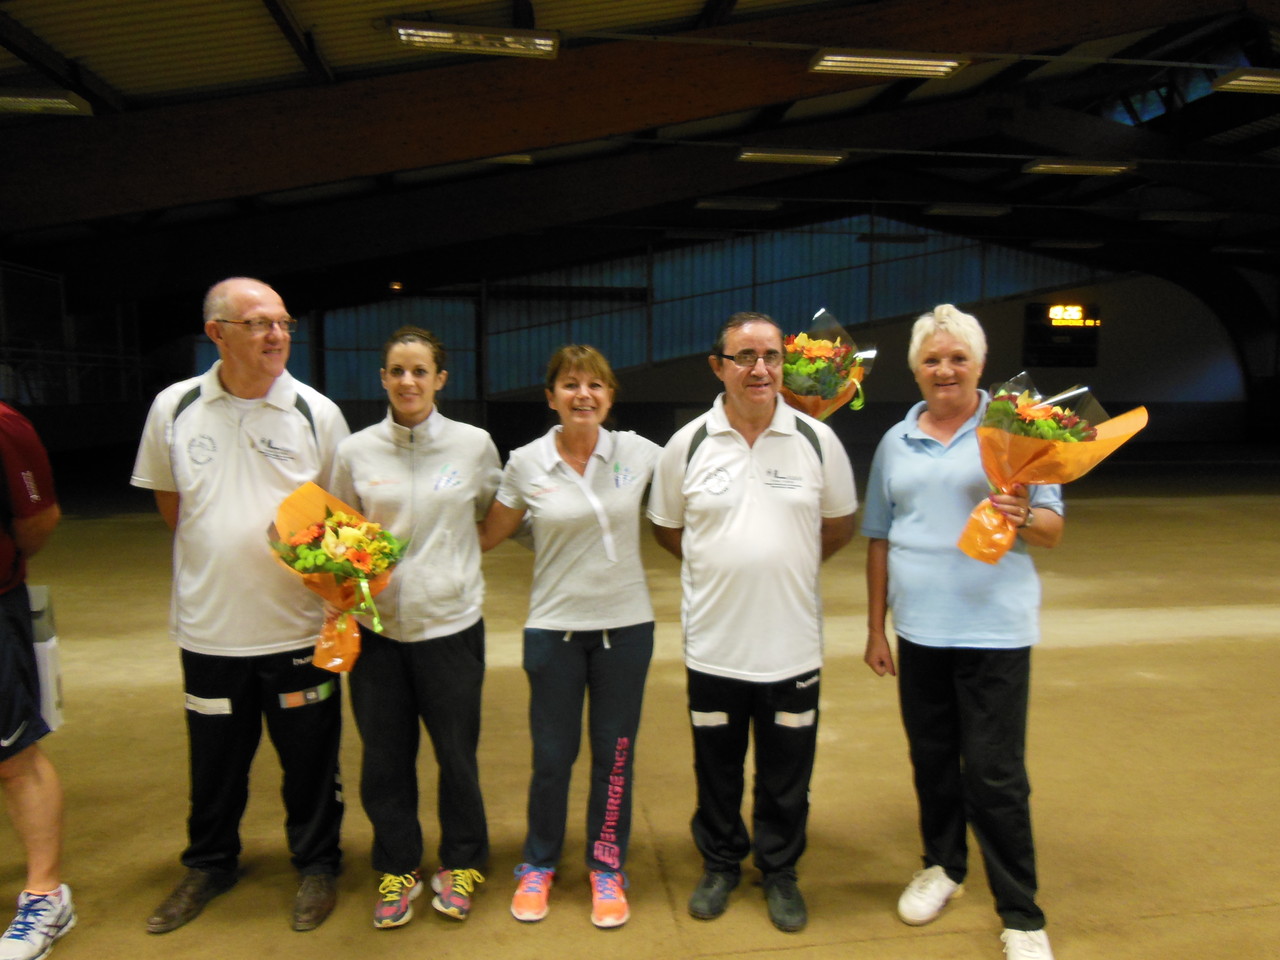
175	156
480	209
523	16
67	74
715	12
303	43
1205	169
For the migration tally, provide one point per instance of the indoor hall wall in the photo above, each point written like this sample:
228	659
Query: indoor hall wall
1159	346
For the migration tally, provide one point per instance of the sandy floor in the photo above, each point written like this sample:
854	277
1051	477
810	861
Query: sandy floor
1152	757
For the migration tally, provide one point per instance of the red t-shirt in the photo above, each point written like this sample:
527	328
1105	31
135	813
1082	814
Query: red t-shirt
29	482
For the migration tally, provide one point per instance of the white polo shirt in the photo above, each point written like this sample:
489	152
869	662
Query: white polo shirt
429	485
587	571
751	519
232	462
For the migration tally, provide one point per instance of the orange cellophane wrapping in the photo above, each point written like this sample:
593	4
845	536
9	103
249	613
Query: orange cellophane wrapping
821	408
1009	460
339	642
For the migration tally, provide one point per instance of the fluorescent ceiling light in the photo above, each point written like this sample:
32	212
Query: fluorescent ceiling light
503	41
968	210
1245	251
1066	244
513	158
29	100
1080	168
692	233
884	63
775	155
1249	80
748	204
1181	216
905	238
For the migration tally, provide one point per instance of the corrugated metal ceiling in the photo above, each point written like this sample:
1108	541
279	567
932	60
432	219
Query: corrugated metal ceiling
150	51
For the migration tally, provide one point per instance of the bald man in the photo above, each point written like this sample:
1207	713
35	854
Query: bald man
220	451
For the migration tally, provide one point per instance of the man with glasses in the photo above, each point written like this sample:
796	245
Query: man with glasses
752	496
220	451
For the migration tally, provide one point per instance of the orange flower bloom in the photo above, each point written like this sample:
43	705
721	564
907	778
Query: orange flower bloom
1034	411
360	559
815	349
313	532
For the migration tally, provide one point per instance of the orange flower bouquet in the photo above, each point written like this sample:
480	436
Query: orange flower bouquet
1024	439
341	556
823	369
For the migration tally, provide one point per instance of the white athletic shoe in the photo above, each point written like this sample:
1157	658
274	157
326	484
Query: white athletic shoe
926	895
1026	945
42	918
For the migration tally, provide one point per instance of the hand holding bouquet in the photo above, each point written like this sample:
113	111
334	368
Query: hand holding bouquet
1026	439
341	556
823	369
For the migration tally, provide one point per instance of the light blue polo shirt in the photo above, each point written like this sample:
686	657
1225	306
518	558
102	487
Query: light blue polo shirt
919	497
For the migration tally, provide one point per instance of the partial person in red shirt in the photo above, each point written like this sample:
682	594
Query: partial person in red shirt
32	792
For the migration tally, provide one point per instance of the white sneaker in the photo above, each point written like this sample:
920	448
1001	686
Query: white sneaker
42	918
1026	945
926	895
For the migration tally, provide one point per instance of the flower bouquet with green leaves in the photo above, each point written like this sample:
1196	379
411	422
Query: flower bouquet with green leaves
1026	438
823	368
341	556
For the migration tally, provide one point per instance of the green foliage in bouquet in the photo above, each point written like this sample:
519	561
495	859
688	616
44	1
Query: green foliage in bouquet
347	547
1024	415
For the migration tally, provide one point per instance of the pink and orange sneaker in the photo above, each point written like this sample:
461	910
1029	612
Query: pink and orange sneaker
530	901
608	899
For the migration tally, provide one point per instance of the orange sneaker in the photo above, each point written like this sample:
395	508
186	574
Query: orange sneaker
608	899
530	901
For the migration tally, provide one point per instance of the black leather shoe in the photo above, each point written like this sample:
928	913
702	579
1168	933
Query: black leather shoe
786	904
711	895
188	898
317	896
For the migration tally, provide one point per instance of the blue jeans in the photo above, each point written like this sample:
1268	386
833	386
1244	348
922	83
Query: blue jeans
562	666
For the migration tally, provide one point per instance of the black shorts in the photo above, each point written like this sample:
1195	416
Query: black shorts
20	721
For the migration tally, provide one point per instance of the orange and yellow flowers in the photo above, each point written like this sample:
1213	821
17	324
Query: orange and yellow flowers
823	370
344	558
1024	439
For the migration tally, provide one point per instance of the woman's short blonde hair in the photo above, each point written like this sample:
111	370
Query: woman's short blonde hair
945	318
583	358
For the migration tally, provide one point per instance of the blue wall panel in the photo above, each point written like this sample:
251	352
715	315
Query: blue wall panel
354	338
692	290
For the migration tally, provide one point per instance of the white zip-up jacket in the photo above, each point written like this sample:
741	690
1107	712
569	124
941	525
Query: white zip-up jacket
429	485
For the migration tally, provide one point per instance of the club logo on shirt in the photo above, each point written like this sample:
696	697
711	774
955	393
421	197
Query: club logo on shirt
201	449
716	482
448	479
622	476
272	450
780	481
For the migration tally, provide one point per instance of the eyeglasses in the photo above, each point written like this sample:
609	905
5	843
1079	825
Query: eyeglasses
745	358
286	326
